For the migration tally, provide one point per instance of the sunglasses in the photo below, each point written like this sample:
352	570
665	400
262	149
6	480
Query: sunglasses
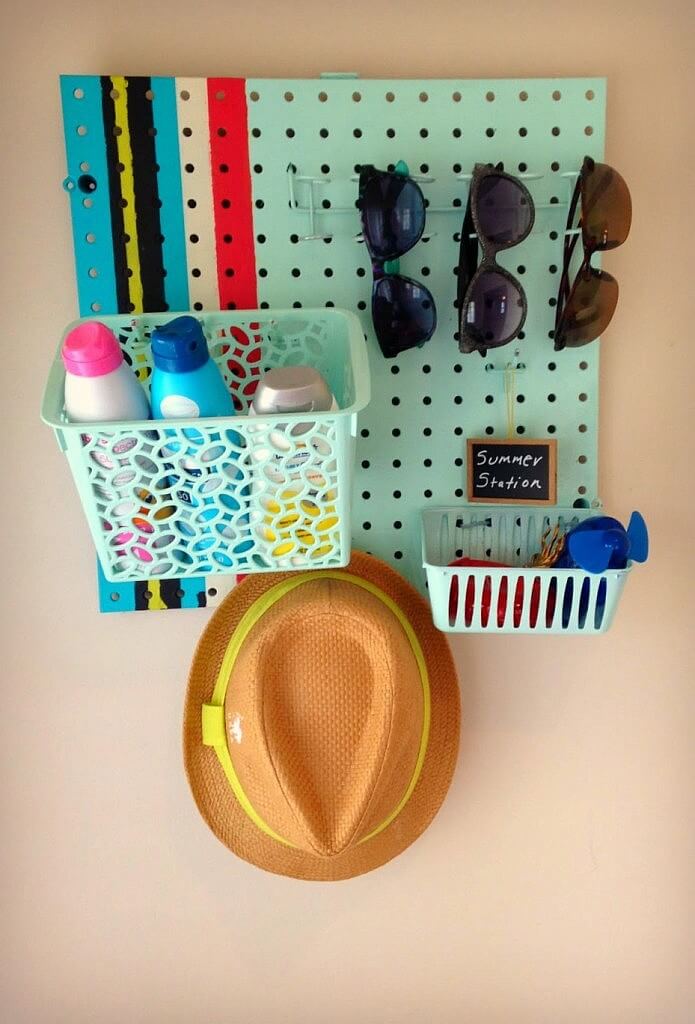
585	309
392	208
491	302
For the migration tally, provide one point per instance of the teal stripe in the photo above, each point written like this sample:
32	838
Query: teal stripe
89	147
170	192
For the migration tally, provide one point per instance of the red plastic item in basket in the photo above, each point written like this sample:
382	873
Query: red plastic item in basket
477	563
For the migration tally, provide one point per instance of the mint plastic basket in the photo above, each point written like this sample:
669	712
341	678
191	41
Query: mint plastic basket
174	498
515	600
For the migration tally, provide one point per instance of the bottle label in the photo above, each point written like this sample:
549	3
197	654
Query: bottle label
178	407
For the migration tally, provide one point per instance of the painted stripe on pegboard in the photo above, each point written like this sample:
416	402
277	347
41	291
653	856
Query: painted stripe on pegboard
149	232
232	194
87	185
170	193
194	147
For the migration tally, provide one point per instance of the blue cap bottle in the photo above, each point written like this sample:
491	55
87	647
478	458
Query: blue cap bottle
186	383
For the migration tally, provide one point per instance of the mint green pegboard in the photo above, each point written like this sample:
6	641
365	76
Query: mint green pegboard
411	439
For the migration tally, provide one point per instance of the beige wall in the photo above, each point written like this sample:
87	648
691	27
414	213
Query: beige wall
556	884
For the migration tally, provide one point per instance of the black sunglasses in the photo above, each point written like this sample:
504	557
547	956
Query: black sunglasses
491	302
392	208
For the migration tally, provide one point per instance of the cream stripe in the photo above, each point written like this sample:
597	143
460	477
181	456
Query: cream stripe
194	149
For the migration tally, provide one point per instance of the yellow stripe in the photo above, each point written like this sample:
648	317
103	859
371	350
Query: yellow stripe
155	602
247	622
125	156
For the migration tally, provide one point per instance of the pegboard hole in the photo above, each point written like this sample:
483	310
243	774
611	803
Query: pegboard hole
184	94
554	166
557	95
356	97
523	132
78	94
582	460
357	132
390	97
456	133
423	97
582	396
424	133
583	365
93	272
552	397
323	96
187	132
489	132
521	430
149	95
552	366
396	432
555	131
324	133
589	94
82	129
397	495
366	526
523	95
288	97
583	428
427	493
489	430
551	428
114	94
588	130
456	97
90	238
396	463
95	307
581	489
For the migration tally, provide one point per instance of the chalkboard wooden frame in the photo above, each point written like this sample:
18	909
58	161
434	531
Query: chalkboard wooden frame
549	444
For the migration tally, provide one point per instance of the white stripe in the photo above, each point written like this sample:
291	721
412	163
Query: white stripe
194	149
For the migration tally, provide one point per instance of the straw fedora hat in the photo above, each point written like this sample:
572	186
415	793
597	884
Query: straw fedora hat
322	720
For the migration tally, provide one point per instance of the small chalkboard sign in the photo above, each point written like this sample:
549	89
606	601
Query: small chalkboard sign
512	472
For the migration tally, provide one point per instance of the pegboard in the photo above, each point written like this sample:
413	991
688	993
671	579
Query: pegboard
181	197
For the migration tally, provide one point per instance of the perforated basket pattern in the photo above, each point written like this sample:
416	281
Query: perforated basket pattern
237	494
516	599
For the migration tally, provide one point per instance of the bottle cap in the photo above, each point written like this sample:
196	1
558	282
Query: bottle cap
179	346
91	350
292	389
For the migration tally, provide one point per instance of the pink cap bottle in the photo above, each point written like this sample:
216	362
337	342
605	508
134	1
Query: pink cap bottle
99	384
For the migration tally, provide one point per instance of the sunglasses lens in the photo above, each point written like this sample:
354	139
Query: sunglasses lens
393	214
606	208
494	312
589	309
403	312
504	213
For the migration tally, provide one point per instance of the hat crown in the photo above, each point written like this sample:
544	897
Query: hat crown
330	691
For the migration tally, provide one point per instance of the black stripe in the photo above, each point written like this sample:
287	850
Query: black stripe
120	265
147	203
169	591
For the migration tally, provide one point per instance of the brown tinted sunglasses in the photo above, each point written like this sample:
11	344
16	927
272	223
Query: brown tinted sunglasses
585	308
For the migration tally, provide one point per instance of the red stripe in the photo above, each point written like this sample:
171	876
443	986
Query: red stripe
232	194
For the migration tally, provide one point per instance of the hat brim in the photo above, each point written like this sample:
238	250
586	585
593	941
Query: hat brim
210	787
